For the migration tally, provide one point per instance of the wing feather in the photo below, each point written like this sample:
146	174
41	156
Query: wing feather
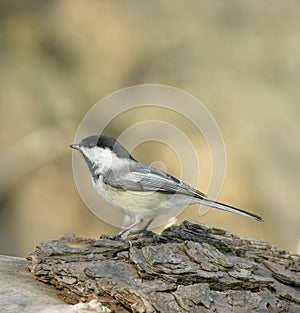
141	177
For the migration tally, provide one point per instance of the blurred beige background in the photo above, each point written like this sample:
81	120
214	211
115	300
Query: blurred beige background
58	58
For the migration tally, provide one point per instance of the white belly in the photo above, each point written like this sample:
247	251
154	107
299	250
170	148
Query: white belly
141	204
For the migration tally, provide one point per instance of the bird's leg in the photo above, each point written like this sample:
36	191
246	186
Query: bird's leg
148	233
143	229
120	233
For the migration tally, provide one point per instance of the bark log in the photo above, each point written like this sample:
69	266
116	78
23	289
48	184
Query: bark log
188	268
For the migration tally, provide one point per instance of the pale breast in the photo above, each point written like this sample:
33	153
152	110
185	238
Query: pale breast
140	203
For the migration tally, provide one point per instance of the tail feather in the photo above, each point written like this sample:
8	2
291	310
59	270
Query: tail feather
225	207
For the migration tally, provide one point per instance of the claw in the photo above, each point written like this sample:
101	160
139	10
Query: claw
141	231
111	237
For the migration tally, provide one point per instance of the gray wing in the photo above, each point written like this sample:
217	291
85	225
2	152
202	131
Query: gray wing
141	177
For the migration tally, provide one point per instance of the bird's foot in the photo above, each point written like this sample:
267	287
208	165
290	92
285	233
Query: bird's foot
112	237
142	231
145	234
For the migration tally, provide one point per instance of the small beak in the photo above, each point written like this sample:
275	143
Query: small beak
75	146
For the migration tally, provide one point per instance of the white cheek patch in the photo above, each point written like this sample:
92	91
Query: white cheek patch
99	156
104	159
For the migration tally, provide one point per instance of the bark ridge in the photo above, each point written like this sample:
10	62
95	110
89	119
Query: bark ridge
188	268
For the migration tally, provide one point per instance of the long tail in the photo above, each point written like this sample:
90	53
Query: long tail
225	207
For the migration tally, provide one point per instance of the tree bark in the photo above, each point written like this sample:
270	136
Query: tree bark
188	268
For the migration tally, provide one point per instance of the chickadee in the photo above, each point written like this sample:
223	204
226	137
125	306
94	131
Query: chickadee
137	189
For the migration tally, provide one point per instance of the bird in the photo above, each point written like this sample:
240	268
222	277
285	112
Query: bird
136	189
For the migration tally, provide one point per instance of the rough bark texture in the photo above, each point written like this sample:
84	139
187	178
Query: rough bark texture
188	268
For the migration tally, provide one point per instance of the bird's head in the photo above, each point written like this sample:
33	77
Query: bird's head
101	153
